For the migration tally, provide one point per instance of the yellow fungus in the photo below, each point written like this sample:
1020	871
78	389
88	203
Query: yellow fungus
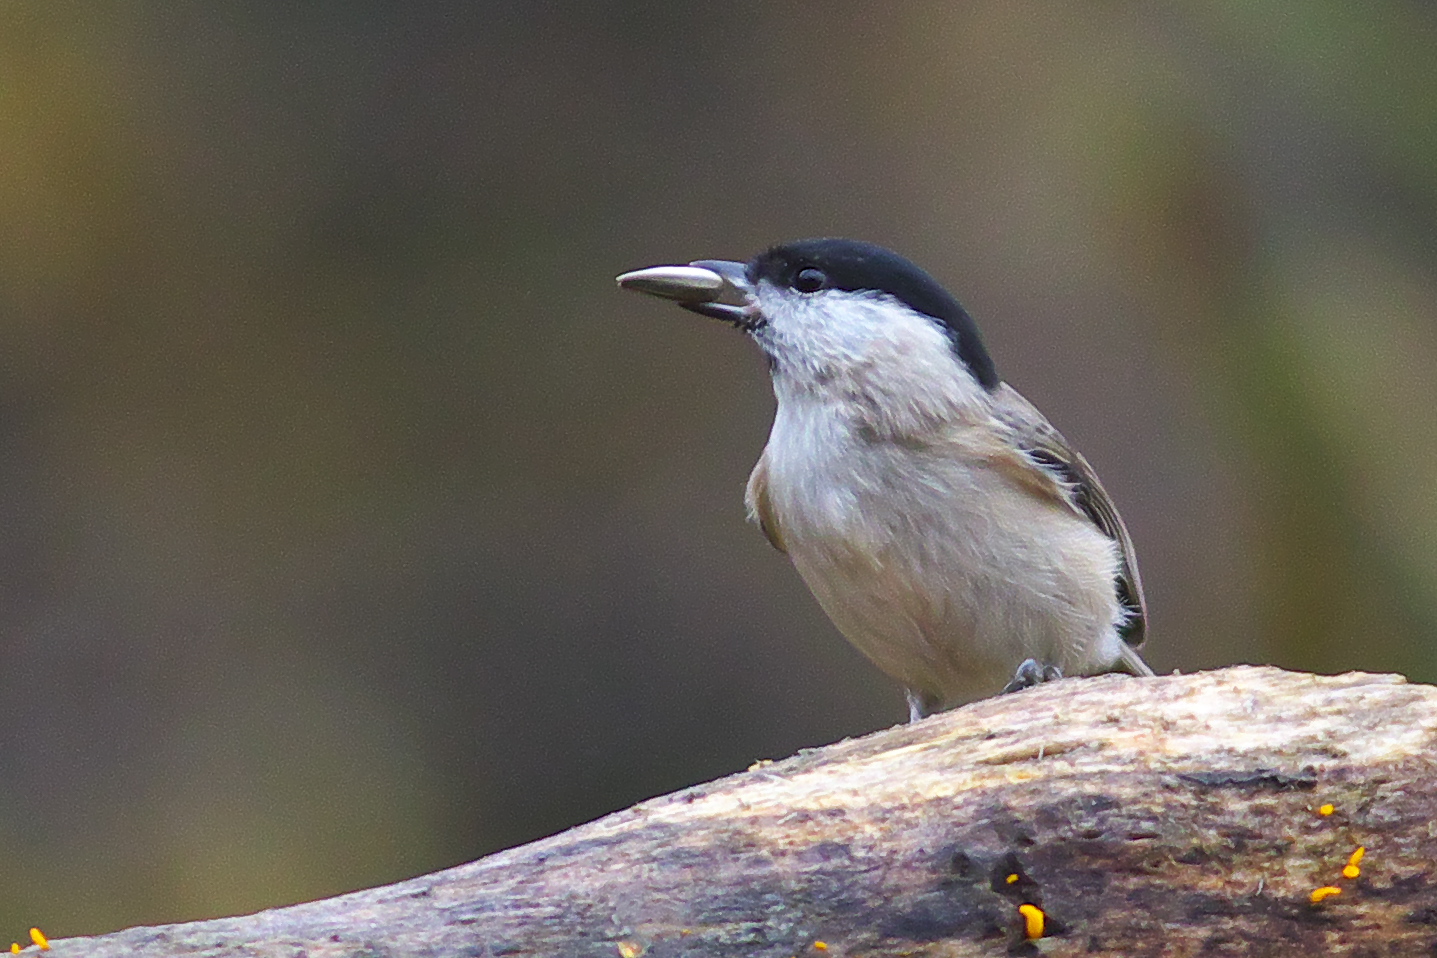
14	948
1327	809
38	937
628	949
1352	869
1033	920
1326	891
820	945
1013	878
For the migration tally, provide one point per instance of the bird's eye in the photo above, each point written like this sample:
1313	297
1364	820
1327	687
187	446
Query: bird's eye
810	280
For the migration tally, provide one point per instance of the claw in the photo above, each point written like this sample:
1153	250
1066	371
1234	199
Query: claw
1032	673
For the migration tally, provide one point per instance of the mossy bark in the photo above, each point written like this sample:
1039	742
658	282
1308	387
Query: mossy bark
1172	816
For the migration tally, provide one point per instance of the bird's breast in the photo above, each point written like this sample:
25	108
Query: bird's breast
832	483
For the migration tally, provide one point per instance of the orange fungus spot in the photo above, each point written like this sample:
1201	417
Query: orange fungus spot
1033	919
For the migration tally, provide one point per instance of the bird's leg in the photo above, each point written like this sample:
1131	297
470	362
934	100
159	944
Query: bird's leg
920	704
1032	673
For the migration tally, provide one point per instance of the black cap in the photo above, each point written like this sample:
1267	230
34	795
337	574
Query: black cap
854	265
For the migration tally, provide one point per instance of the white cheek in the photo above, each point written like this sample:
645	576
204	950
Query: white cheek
839	347
813	335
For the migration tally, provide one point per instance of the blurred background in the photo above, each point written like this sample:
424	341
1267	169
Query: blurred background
352	524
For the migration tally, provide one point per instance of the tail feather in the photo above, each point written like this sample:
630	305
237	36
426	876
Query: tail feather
1132	663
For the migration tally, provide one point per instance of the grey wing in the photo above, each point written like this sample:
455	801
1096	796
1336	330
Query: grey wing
1031	433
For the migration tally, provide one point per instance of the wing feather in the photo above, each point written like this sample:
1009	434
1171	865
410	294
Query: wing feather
1055	468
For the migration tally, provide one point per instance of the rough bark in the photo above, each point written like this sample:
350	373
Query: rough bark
1172	816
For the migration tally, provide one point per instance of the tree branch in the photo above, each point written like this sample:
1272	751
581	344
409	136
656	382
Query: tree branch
1172	816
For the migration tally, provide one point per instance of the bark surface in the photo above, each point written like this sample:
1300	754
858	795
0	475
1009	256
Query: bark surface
1179	815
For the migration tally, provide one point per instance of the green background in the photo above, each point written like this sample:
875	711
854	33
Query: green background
352	524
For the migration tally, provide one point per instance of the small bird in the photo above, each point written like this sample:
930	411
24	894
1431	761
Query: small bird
947	529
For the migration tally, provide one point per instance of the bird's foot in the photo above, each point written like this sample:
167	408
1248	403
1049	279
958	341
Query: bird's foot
1032	673
920	705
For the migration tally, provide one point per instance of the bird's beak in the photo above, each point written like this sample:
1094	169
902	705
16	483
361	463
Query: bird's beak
716	288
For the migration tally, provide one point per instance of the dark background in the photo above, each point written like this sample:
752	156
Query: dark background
352	524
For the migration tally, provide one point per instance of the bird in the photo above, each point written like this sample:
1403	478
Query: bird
948	530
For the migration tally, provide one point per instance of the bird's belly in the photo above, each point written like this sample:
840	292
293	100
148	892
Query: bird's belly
943	595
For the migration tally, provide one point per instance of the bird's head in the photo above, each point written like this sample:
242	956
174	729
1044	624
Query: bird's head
833	311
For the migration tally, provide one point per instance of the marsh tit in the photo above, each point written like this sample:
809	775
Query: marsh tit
948	530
